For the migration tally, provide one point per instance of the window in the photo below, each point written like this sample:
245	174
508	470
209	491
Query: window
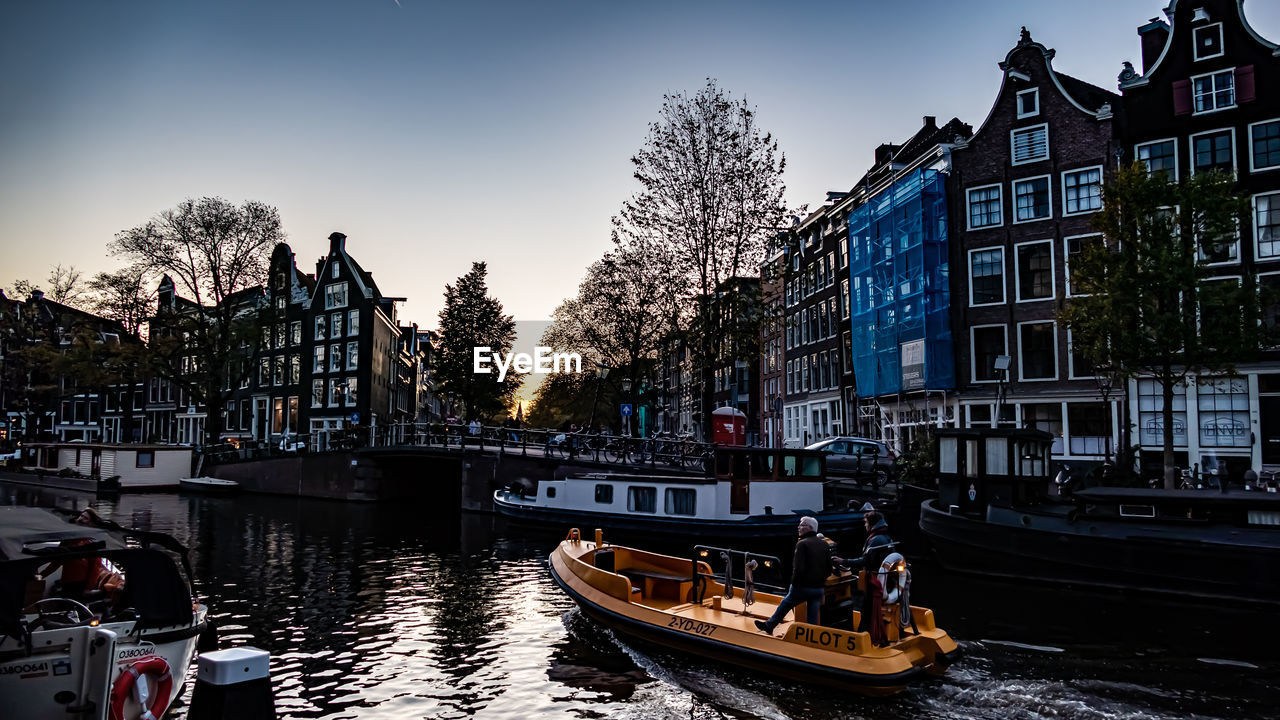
1035	270
1160	157
335	391
335	295
1030	144
318	365
1037	351
984	207
1080	365
604	494
1046	417
844	252
353	322
295	332
844	298
1082	191
264	372
1028	103
279	336
1222	249
145	459
1215	91
1213	151
1266	225
335	325
277	366
277	415
353	354
295	369
335	357
317	393
986	276
1223	405
987	343
320	325
1150	419
681	501
642	499
1264	141
1207	42
293	413
353	388
1031	199
333	267
1074	246
1089	425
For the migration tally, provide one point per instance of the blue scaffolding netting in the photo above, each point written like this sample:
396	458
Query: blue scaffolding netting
899	274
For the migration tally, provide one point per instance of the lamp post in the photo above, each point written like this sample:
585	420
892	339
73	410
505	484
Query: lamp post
626	419
602	371
1104	373
1002	367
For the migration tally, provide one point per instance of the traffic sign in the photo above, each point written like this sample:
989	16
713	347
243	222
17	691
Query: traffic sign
626	409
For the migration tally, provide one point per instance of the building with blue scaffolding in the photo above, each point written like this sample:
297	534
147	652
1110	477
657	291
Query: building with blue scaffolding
903	351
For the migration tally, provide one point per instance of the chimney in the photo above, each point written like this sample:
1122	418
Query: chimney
930	121
885	152
37	294
1154	35
337	243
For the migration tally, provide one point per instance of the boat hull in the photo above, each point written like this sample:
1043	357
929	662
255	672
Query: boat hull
67	665
878	672
752	526
1101	552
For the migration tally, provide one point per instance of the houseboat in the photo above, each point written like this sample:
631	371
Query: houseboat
679	603
96	621
122	466
751	493
1000	512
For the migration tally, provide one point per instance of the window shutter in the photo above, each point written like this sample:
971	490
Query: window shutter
1244	84
1182	97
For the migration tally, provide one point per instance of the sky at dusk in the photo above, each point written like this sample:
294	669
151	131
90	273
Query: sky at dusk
436	134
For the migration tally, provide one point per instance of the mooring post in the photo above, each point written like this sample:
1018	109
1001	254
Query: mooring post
233	684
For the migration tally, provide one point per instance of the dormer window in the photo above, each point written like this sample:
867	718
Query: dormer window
1029	103
1208	42
333	269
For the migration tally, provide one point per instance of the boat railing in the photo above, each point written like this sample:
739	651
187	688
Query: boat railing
705	553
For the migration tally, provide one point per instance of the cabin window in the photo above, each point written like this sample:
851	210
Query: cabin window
947	455
145	459
1140	511
551	491
681	501
1264	517
604	494
788	466
642	499
811	466
997	456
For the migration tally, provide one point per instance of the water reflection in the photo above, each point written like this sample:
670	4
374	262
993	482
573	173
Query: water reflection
390	612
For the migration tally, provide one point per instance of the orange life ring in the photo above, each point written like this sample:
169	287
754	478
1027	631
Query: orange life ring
128	680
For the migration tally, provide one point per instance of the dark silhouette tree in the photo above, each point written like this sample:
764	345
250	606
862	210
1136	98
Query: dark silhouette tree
471	319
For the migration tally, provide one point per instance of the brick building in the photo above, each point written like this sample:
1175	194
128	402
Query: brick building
1024	190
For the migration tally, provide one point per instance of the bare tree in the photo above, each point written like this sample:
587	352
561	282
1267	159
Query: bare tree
217	255
711	196
65	286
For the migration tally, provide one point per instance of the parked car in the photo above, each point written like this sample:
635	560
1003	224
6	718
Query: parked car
867	461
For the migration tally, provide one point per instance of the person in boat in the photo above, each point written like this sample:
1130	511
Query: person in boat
85	578
876	548
809	570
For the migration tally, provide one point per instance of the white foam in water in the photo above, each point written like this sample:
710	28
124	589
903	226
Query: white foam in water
1231	663
1025	646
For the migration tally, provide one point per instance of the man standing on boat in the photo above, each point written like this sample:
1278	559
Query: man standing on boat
809	571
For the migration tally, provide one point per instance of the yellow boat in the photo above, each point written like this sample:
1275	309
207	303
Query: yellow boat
678	602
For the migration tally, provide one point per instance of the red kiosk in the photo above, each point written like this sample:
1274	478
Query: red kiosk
729	426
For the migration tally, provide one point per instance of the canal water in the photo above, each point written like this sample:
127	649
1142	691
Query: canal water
390	612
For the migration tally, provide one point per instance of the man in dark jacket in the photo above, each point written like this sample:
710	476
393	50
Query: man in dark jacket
877	547
809	571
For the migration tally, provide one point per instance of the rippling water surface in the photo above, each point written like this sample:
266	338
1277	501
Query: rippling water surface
377	612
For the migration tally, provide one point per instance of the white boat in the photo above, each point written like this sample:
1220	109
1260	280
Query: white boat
209	485
752	492
96	619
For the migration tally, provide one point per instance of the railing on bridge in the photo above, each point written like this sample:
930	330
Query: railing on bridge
667	452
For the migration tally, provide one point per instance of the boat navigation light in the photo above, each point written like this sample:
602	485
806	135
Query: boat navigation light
768	563
702	553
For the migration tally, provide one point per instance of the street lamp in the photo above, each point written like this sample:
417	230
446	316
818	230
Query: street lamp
1104	373
602	372
1002	367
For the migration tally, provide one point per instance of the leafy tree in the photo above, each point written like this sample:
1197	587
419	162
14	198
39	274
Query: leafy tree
1149	308
217	255
711	196
471	319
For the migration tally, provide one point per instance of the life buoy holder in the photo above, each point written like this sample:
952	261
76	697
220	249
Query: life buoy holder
574	536
152	708
893	563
